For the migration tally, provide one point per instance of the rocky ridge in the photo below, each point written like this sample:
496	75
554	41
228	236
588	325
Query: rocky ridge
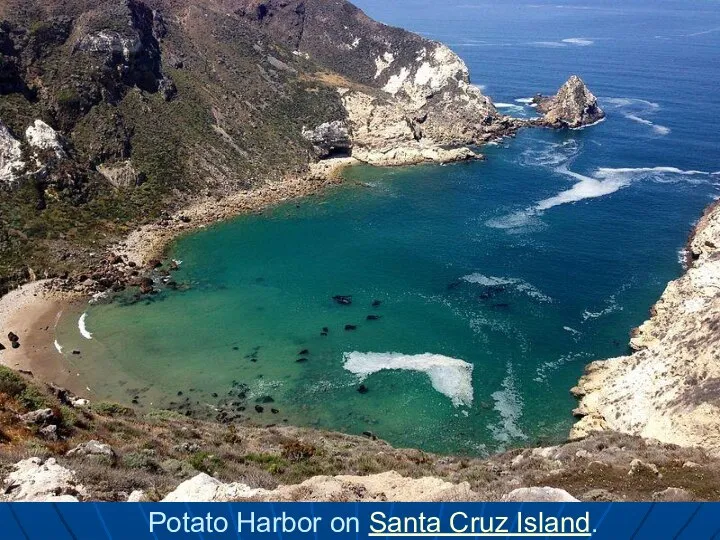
669	389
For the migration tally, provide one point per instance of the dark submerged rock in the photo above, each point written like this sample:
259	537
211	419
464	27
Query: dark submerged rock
343	300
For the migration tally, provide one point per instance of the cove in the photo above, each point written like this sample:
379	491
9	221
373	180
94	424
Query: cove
519	270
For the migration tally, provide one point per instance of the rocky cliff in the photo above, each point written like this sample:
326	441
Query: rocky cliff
153	104
669	389
573	106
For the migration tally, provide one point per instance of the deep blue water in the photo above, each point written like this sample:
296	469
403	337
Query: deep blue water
527	265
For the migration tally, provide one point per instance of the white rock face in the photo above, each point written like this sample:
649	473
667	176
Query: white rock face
35	480
669	389
389	486
539	495
137	496
42	137
205	488
120	175
10	154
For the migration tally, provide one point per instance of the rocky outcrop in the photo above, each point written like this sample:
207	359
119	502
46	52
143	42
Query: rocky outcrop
670	388
94	449
10	156
573	106
330	139
121	175
41	136
36	480
389	486
407	98
539	495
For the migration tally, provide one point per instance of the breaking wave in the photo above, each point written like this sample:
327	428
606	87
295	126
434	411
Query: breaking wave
83	328
449	376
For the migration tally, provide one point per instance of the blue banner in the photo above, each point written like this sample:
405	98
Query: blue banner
353	521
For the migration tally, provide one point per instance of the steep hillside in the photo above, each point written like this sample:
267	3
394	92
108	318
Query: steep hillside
114	111
53	444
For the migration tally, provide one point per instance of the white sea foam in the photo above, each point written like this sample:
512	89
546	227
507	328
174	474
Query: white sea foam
605	181
546	369
595	123
599	183
549	44
637	110
83	328
449	376
58	347
581	42
519	284
509	404
525	100
508	106
611	306
572	331
657	128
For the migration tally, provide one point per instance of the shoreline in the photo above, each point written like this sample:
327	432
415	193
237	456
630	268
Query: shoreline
32	310
667	388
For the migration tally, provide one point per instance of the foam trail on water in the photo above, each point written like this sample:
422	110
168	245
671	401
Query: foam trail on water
657	128
509	405
519	284
525	100
58	347
606	181
581	42
83	329
449	376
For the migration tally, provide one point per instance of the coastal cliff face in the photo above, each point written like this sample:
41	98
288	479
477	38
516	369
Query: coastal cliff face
405	96
669	389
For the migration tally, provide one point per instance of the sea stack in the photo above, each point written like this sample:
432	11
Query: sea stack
573	106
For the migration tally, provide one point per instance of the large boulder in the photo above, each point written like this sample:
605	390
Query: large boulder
94	449
35	480
205	488
573	106
539	494
40	417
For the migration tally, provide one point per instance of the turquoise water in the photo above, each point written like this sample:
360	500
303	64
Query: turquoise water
525	266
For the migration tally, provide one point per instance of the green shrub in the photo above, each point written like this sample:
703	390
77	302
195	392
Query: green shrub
272	463
204	462
31	398
140	460
106	408
11	383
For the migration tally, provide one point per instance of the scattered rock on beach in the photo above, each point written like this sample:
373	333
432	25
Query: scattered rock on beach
13	337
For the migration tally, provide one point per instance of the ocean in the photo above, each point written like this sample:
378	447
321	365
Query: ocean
486	287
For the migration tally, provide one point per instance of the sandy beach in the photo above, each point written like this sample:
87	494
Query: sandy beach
31	312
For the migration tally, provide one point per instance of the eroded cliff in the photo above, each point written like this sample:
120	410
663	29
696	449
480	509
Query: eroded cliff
669	389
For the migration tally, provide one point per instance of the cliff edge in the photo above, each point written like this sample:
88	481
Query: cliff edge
669	389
